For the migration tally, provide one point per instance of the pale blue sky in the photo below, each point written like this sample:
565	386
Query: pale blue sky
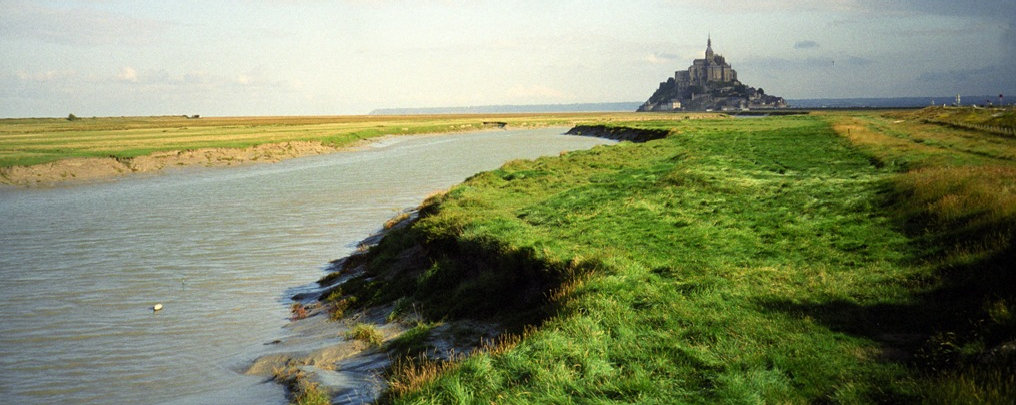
308	57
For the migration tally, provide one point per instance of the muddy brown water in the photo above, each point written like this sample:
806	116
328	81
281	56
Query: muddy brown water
221	249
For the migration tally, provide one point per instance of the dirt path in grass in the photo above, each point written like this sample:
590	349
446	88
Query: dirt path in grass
92	169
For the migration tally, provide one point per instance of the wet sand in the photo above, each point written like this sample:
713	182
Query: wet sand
350	371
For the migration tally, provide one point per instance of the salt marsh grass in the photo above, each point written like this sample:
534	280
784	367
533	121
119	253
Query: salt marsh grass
827	258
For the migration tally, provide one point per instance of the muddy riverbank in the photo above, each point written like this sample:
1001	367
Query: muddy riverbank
95	169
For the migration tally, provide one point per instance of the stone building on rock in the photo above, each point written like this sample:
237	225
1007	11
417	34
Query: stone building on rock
708	84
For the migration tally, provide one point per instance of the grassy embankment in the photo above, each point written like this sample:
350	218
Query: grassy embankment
839	258
998	120
32	141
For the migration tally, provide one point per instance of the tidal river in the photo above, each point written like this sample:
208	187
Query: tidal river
222	249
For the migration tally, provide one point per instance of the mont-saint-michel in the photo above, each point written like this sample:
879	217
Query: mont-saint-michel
708	84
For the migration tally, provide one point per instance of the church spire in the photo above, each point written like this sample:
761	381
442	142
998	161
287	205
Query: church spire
709	47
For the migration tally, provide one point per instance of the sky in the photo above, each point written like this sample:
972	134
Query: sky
316	57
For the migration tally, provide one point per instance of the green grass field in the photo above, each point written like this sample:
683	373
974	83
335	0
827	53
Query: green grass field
844	258
30	141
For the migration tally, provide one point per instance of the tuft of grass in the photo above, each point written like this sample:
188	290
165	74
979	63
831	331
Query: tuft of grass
408	375
401	309
972	386
337	310
366	333
298	311
396	220
974	196
413	342
310	393
301	390
337	303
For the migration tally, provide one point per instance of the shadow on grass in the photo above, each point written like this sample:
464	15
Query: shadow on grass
960	301
956	332
451	278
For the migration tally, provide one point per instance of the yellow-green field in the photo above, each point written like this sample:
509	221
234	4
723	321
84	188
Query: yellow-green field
31	141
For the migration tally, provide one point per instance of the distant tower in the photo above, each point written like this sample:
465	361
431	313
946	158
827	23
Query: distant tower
957	99
709	47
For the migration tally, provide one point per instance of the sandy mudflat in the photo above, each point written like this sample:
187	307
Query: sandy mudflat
349	370
346	368
90	169
77	170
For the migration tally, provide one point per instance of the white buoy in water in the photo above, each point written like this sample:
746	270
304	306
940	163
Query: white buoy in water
157	307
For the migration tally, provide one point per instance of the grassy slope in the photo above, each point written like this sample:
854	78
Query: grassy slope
726	232
967	116
31	141
750	261
710	239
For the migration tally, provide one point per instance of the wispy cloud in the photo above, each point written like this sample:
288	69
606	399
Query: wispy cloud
128	74
1003	10
944	31
806	44
791	64
163	79
857	61
78	27
535	92
659	58
1009	44
810	63
46	76
751	6
958	76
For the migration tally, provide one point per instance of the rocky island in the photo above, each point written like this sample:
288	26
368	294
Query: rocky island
708	84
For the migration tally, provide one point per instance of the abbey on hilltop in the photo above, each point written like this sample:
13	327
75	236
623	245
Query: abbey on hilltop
708	84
